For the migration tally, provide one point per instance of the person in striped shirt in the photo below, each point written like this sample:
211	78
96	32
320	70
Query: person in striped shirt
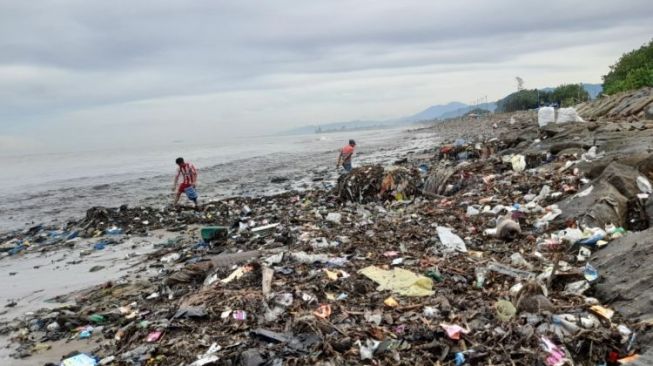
189	174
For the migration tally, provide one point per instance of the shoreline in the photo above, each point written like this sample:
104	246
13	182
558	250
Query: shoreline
241	177
299	274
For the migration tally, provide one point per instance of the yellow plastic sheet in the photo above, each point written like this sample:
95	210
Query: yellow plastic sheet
399	280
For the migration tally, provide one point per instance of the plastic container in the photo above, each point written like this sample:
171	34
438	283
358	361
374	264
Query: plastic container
212	232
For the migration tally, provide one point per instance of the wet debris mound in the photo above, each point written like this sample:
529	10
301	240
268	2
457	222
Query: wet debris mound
373	182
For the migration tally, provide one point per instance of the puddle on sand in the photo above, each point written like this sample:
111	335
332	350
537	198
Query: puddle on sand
40	277
54	354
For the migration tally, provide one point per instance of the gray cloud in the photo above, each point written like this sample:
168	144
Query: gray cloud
248	66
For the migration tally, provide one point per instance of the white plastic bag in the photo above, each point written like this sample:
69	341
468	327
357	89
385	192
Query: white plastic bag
567	115
545	116
451	241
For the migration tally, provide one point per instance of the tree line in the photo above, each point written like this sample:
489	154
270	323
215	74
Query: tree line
633	70
563	96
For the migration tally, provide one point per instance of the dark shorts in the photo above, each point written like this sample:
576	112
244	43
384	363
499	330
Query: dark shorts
347	166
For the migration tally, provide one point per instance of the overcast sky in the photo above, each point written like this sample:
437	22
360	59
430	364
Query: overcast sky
108	73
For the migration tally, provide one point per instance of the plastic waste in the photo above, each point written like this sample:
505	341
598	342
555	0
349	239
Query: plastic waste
86	332
334	217
516	259
545	115
518	163
53	327
430	311
590	273
323	311
644	185
570	235
435	274
556	356
367	351
508	271
264	230
602	311
505	310
583	254
81	359
239	314
472	211
481	275
97	319
567	115
208	233
306	258
390	302
598	234
114	231
459	358
454	331
451	241
552	244
153	336
208	357
172	257
399	280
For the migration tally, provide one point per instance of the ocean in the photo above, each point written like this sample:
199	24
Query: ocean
54	188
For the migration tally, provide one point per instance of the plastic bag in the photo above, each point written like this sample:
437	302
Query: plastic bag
566	115
450	240
545	116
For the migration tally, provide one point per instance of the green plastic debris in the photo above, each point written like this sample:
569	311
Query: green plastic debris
97	319
435	274
213	232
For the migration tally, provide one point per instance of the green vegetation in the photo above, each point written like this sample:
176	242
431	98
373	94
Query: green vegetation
633	70
567	95
477	111
564	95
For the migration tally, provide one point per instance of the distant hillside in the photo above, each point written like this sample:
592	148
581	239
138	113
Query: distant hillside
464	110
593	89
433	112
438	111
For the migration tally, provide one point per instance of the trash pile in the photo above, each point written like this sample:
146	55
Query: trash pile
479	260
371	183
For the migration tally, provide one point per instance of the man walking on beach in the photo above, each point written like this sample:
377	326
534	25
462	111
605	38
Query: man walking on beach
345	156
189	174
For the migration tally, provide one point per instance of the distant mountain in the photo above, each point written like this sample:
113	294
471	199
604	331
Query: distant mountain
433	112
593	89
438	111
466	109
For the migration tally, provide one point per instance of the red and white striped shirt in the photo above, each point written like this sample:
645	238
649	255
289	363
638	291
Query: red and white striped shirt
189	173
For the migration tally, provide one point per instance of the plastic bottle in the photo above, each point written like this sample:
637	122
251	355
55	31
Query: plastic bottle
481	273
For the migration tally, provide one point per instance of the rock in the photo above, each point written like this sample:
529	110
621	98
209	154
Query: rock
626	274
649	112
251	357
53	327
508	229
278	180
